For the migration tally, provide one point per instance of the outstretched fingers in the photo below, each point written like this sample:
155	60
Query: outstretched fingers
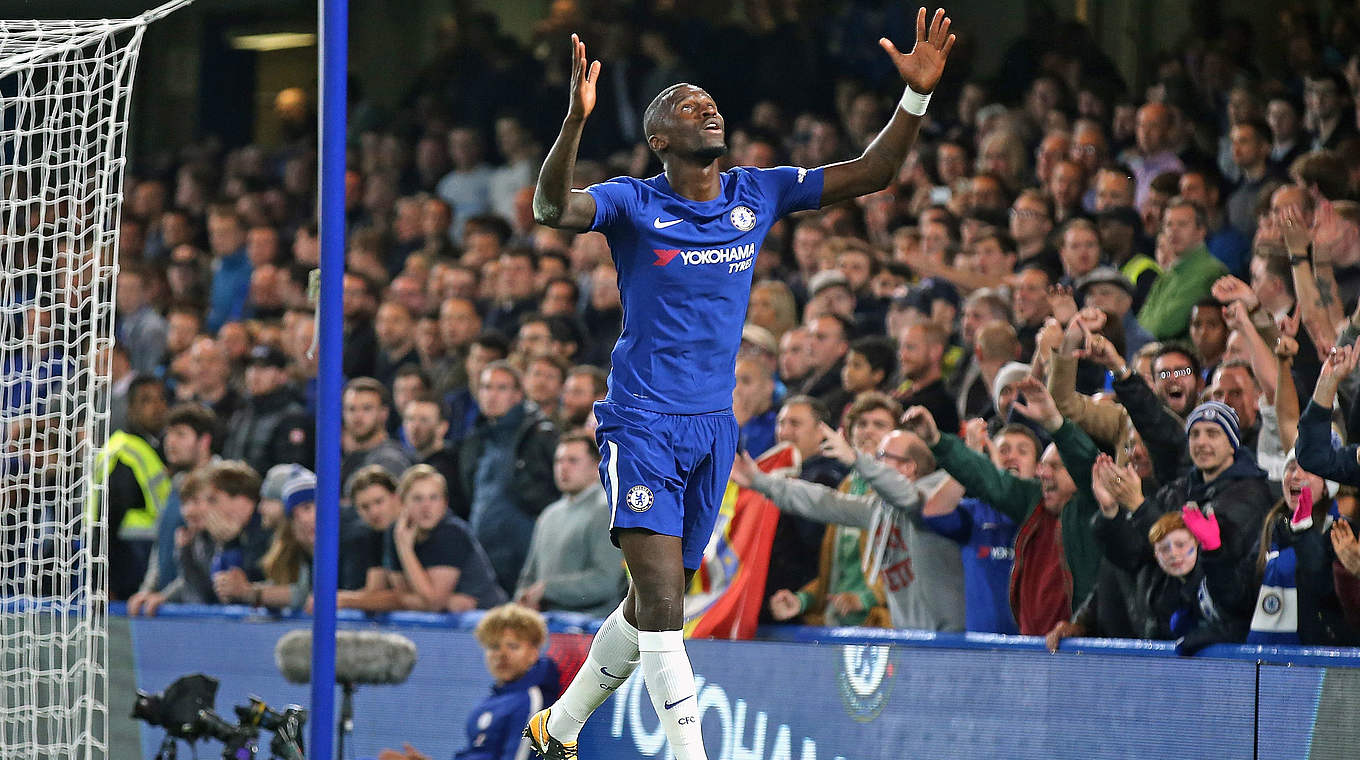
921	25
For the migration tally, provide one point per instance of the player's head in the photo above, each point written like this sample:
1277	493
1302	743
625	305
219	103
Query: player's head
683	120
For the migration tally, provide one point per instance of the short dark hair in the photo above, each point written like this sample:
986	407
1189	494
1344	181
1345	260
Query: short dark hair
370	475
1176	347
235	478
879	351
1258	125
1017	428
370	385
1201	216
818	407
414	370
494	340
598	377
587	439
847	327
489	223
143	380
867	402
199	418
501	365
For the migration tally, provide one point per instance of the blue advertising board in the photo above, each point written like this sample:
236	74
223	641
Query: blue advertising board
849	697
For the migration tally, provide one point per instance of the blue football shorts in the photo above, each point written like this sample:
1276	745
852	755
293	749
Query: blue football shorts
665	472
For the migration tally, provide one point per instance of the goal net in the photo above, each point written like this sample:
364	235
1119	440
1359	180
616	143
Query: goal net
64	98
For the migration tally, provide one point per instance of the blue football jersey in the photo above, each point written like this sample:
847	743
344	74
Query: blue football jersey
685	278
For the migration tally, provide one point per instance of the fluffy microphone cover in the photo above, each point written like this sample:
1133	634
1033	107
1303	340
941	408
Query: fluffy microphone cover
361	657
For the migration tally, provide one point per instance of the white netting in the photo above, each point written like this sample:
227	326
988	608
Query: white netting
64	97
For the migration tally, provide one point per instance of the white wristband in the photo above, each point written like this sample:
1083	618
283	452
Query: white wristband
914	102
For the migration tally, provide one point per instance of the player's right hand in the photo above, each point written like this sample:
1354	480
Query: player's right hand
583	78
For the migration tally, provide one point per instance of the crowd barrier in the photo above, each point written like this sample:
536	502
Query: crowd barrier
804	693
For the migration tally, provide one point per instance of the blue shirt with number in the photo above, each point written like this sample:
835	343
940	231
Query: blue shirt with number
685	277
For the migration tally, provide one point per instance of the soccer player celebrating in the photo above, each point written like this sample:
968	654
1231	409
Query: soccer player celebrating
684	243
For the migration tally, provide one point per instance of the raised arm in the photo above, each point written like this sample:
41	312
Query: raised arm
921	70
556	204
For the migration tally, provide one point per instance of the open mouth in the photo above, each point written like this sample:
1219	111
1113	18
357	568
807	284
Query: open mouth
1175	396
712	125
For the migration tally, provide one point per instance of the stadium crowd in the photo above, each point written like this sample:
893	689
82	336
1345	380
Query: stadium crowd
1085	368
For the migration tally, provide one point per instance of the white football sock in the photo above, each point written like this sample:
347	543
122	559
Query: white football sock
670	683
613	657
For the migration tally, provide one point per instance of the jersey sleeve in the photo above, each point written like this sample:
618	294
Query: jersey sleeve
615	200
791	188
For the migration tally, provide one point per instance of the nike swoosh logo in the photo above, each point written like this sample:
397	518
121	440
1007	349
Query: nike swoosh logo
611	675
660	225
669	705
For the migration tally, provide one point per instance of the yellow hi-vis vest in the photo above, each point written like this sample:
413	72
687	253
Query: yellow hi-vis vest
151	474
1137	265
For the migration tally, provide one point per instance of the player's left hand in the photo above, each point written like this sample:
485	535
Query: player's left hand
922	67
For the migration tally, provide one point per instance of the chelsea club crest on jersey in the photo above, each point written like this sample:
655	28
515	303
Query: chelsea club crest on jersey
743	218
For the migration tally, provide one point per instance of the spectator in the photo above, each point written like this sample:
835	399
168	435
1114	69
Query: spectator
921	355
583	387
231	268
433	562
209	379
1080	251
882	531
424	427
1189	272
503	501
1152	154
1227	244
1251	152
797	540
272	427
361	341
488	347
1120	232
1107	289
459	326
1056	557
753	406
287	565
191	436
372	492
1324	114
985	537
138	486
1208	334
795	356
364	438
512	639
543	380
1224	476
869	364
829	342
467	188
138	325
572	564
394	326
515	293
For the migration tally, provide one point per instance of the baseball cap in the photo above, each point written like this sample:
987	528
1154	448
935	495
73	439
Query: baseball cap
827	278
1104	274
267	356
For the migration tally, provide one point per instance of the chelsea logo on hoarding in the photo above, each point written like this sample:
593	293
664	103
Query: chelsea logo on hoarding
743	218
865	680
